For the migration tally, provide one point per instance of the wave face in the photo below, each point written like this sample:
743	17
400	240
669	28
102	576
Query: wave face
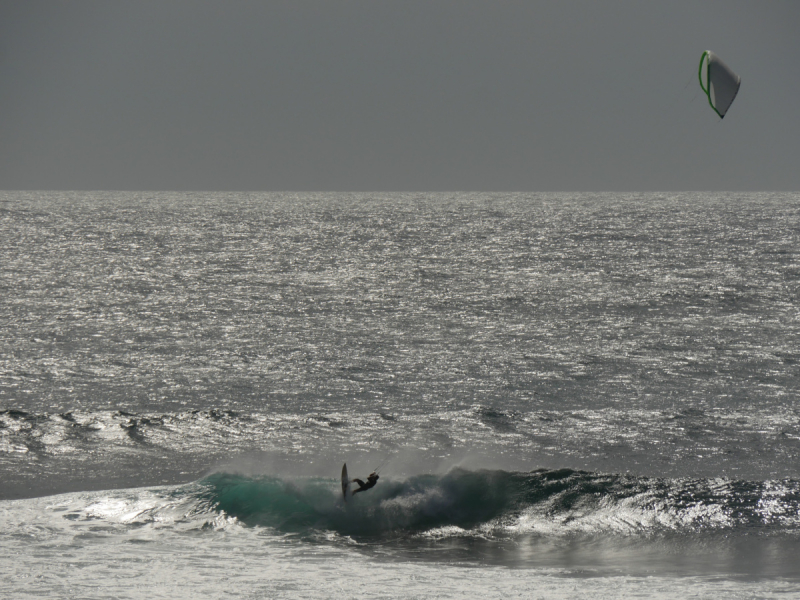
500	504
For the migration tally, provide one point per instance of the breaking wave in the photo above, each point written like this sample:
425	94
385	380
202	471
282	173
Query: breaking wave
498	503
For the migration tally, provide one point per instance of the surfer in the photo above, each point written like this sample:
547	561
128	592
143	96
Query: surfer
370	483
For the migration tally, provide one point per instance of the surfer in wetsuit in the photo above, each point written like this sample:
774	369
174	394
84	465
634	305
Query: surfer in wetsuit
370	483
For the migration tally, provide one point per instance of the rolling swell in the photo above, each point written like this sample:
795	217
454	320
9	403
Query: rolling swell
493	503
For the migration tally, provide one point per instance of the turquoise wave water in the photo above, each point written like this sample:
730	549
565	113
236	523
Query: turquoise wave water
461	498
500	503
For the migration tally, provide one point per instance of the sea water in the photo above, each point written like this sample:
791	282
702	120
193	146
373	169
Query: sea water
566	395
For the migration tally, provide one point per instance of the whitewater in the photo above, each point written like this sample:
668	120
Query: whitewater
568	395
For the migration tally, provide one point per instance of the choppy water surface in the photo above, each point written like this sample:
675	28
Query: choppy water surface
648	344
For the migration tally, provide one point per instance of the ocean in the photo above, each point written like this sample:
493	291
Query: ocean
566	395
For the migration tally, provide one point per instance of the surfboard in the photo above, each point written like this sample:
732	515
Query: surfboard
345	483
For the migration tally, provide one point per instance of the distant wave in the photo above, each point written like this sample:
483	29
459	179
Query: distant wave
500	503
597	439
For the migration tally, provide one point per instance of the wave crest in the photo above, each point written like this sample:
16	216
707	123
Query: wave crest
499	503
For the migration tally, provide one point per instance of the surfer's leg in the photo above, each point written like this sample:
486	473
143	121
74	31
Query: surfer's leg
360	483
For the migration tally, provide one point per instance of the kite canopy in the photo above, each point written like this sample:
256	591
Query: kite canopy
718	82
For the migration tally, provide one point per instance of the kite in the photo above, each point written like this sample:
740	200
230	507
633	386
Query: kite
718	82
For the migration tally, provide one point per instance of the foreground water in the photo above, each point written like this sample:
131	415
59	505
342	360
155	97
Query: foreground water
570	394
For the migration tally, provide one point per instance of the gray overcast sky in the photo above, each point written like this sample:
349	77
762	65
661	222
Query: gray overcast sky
395	95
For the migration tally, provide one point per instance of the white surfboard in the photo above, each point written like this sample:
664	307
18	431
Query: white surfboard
345	483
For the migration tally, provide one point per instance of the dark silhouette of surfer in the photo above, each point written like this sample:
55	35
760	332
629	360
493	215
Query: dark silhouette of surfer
370	483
